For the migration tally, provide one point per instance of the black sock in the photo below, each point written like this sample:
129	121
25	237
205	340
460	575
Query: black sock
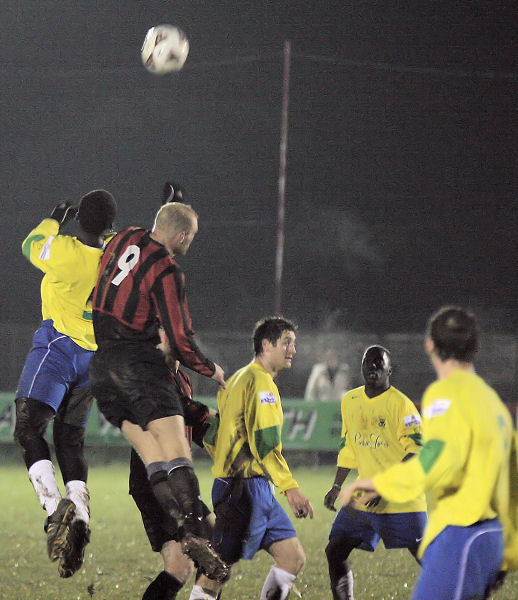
160	486
163	587
186	491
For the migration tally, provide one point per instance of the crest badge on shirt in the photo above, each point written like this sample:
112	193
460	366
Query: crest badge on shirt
267	398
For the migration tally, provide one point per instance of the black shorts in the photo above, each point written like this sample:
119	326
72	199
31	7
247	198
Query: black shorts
159	526
75	408
131	381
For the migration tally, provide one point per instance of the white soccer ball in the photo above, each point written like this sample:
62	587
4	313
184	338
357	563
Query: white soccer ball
165	49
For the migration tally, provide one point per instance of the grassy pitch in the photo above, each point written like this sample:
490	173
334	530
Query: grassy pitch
119	563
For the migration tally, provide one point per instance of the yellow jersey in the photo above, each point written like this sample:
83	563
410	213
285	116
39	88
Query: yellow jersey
71	269
464	462
377	433
246	442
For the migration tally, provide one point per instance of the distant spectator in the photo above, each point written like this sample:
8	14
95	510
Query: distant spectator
328	380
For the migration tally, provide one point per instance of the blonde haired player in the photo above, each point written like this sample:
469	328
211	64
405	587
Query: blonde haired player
140	290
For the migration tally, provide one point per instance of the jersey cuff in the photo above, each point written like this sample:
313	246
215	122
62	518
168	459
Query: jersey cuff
292	485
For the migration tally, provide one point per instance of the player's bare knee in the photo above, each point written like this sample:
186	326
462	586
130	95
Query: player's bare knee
300	560
176	563
289	555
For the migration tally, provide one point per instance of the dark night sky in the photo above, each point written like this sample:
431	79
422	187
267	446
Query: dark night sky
402	182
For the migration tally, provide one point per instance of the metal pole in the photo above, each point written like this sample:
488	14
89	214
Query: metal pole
282	178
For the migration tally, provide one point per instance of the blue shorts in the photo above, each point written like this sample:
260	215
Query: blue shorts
398	530
461	563
54	367
248	517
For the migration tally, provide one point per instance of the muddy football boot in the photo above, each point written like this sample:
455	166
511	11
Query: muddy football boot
56	527
72	557
201	552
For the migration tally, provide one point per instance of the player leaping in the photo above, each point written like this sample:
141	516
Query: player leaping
54	381
141	288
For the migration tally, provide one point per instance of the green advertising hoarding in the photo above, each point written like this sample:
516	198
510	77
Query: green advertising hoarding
307	425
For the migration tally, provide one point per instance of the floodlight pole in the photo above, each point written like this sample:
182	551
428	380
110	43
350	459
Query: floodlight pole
281	210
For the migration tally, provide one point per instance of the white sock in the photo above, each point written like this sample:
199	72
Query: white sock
197	593
43	479
77	491
276	581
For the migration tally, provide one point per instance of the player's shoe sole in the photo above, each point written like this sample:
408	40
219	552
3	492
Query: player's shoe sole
56	527
72	557
200	551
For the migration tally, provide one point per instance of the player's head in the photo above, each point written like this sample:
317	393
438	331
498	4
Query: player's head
96	212
376	366
173	192
274	339
453	333
175	226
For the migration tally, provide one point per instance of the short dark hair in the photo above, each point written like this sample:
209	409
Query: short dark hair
455	333
271	329
380	348
97	211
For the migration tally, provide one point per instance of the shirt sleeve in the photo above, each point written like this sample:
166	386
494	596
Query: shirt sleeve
346	455
47	250
211	435
409	427
509	517
171	301
264	426
446	442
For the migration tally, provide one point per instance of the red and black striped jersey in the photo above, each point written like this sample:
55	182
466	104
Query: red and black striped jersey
140	286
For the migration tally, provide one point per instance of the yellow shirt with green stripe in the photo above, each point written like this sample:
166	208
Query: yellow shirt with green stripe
377	433
246	440
464	462
71	269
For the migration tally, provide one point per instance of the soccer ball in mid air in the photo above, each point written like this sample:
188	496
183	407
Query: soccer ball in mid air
165	49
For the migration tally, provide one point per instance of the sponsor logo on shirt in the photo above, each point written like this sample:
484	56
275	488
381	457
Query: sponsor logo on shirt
411	420
267	398
437	408
369	440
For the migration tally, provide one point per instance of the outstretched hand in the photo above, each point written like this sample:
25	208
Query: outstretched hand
300	505
63	212
362	491
219	377
330	498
